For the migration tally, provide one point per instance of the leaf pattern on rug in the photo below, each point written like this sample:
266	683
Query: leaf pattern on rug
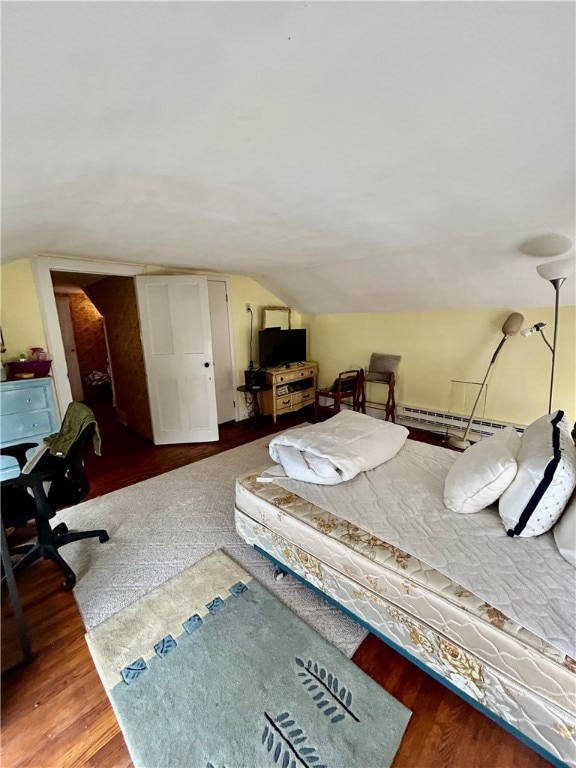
329	695
132	671
165	646
216	605
286	743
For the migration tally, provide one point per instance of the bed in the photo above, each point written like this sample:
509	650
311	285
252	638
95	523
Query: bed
514	667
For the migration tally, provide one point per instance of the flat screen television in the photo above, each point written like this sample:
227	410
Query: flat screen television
276	347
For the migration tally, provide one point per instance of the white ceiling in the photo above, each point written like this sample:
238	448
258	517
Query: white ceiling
371	156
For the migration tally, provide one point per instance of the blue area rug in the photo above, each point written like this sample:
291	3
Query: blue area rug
210	670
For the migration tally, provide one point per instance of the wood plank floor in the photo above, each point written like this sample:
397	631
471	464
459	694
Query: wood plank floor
55	713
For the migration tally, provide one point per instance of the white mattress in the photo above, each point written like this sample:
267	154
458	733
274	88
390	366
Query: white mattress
404	581
520	701
401	503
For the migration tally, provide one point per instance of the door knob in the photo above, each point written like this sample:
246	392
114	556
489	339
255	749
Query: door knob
206	365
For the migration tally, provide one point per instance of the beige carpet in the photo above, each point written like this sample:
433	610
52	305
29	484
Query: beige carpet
162	525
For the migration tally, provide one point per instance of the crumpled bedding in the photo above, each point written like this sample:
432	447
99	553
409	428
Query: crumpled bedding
336	450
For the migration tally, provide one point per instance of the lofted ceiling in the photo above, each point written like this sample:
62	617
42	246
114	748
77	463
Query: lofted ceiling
377	156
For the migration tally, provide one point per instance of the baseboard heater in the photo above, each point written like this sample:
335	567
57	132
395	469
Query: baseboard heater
442	422
439	421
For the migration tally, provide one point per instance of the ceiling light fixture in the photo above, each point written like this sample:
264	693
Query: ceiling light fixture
546	246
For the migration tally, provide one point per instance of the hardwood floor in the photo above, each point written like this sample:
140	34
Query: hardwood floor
55	713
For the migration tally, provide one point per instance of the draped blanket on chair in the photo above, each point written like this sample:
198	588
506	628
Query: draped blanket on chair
335	450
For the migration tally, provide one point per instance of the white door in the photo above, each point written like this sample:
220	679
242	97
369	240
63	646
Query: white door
176	340
221	348
65	320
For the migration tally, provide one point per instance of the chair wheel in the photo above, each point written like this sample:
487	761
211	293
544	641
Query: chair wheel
68	583
104	537
60	529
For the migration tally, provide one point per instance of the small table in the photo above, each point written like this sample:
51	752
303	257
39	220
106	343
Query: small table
252	401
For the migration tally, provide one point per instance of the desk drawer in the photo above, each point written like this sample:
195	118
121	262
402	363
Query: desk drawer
30	399
26	426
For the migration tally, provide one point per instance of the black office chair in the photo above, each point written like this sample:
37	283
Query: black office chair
52	483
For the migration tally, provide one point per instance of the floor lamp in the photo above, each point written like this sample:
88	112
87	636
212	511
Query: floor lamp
511	327
556	273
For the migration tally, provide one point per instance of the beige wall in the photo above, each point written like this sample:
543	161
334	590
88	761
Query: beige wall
245	290
437	347
19	309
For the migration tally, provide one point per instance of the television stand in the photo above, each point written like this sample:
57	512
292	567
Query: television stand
292	387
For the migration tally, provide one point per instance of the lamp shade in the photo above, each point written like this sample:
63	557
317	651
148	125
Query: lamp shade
513	324
556	270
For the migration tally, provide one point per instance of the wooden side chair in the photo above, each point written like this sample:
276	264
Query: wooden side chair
382	370
345	389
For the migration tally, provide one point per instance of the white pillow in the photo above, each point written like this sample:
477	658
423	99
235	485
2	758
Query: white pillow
565	532
482	473
545	479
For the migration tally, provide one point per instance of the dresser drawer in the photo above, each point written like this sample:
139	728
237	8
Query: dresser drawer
284	378
283	403
291	387
28	411
26	426
288	375
29	399
303	397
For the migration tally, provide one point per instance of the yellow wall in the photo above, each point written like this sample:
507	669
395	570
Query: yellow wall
244	291
19	309
23	328
437	347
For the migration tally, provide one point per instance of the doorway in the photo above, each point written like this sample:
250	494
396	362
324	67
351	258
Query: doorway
84	273
84	339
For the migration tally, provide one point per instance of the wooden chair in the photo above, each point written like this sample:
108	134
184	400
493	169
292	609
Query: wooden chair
345	389
382	370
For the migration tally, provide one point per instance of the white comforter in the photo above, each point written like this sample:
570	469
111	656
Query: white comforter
337	449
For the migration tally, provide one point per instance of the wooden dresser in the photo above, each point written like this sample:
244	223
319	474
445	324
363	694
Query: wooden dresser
27	415
292	387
